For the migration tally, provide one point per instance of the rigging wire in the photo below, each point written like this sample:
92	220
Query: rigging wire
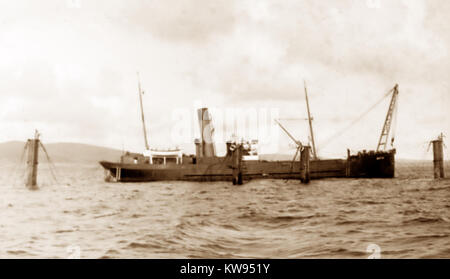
341	132
16	176
52	167
293	161
17	166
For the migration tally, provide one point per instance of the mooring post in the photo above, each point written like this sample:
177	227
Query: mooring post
347	167
32	162
237	164
118	174
438	157
304	164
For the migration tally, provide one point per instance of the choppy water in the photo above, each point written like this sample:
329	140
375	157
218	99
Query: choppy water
407	217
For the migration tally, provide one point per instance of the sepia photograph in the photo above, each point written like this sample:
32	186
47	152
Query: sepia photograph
245	130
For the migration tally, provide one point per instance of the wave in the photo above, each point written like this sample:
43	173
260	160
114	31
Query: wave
430	236
439	188
105	215
261	219
411	211
424	220
17	252
352	222
371	202
137	216
334	252
64	231
297	217
230	227
140	245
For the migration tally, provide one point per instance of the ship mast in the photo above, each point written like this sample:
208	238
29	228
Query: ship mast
382	143
142	113
310	124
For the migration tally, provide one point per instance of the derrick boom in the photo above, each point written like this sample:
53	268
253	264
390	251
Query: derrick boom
382	143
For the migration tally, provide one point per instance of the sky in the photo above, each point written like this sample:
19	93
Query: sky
69	69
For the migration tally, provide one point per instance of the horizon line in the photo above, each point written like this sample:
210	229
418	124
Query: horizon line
124	150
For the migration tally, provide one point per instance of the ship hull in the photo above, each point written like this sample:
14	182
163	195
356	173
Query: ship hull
372	165
363	165
221	170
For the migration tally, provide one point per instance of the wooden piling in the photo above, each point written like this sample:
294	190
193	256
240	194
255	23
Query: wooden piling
237	164
438	157
32	162
118	174
347	167
304	163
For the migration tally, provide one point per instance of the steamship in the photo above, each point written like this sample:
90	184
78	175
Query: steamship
205	165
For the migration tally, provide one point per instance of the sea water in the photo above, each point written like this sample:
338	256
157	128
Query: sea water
78	215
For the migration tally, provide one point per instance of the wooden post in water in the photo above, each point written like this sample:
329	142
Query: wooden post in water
347	167
32	162
118	174
304	164
438	157
237	164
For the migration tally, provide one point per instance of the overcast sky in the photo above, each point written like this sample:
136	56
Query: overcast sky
68	68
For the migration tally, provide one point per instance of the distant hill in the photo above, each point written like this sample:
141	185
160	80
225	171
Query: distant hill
11	152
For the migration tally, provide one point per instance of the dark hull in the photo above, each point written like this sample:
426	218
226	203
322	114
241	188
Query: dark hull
363	165
372	165
222	171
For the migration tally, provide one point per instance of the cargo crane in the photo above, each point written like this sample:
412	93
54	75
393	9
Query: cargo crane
297	142
379	163
304	152
311	133
383	141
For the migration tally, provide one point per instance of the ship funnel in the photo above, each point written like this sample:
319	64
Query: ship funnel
206	133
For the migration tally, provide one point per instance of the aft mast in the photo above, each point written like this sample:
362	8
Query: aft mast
142	113
310	124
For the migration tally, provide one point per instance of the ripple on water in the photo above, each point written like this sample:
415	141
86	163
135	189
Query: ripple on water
424	220
266	218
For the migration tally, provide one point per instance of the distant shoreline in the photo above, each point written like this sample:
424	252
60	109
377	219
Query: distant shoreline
70	152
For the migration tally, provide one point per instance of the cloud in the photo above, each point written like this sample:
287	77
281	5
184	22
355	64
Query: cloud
73	70
172	20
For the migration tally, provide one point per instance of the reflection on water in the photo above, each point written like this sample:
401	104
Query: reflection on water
81	215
